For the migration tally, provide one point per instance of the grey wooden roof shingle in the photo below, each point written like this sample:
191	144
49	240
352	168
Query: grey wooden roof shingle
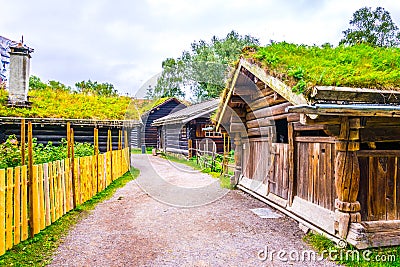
188	113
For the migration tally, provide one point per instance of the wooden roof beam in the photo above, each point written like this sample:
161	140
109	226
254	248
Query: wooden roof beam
347	110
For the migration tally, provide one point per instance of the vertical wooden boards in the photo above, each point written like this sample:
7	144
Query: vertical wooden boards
35	202
51	193
30	177
46	194
23	142
315	173
9	208
63	188
30	201
379	186
2	211
24	208
17	205
42	212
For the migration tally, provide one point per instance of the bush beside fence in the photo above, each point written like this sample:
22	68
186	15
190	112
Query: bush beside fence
57	187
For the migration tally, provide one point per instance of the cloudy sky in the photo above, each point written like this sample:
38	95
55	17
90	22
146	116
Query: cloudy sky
124	41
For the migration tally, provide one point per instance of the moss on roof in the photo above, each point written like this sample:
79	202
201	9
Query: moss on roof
303	67
50	103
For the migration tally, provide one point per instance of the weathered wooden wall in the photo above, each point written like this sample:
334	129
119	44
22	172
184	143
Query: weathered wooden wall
315	171
379	193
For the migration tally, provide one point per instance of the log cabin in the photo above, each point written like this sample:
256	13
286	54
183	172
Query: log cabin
146	134
187	130
328	157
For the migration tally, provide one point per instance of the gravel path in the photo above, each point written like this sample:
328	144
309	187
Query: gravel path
136	229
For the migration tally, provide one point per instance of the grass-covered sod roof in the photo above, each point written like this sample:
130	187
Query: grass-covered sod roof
53	103
303	67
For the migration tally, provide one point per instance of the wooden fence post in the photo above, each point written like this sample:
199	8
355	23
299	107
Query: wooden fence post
109	148
23	142
190	147
119	139
73	178
68	139
96	153
30	178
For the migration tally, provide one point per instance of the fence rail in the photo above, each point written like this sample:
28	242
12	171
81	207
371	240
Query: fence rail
210	159
54	187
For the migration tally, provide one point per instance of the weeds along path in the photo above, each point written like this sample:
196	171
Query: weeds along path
138	228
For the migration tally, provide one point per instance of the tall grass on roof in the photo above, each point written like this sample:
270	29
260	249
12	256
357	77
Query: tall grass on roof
53	103
303	67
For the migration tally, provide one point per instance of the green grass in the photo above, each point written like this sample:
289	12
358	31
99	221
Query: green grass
53	103
139	150
224	181
303	67
37	251
372	256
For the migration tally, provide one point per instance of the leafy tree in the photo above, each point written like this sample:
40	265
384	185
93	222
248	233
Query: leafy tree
36	83
373	27
56	85
169	83
95	88
204	68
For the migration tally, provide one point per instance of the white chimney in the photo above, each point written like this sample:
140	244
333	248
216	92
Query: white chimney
19	75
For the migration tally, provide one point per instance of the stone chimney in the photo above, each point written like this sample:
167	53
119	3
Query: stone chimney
19	75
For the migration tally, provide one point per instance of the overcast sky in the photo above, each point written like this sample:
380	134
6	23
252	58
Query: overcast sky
124	41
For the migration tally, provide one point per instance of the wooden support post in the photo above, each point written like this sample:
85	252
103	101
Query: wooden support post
119	139
292	163
109	148
96	157
190	146
68	139
238	158
109	140
347	176
30	179
126	141
73	178
23	142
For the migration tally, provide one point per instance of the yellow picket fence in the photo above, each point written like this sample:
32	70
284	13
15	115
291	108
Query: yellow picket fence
53	193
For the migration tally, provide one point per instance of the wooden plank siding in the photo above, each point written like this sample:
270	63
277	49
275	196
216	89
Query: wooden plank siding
379	185
267	163
315	173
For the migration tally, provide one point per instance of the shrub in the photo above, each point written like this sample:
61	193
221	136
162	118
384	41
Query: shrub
10	152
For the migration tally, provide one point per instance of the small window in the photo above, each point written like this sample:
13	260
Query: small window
183	132
209	132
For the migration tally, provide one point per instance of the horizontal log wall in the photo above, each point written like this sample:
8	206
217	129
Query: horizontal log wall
54	133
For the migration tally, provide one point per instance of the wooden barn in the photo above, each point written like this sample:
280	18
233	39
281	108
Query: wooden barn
329	159
53	130
190	127
145	133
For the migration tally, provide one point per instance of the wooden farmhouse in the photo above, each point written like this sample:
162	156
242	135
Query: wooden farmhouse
188	130
145	133
329	158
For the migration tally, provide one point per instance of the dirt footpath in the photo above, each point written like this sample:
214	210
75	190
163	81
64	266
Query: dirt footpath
135	229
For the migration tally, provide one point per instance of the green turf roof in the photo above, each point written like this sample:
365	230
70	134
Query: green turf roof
303	67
